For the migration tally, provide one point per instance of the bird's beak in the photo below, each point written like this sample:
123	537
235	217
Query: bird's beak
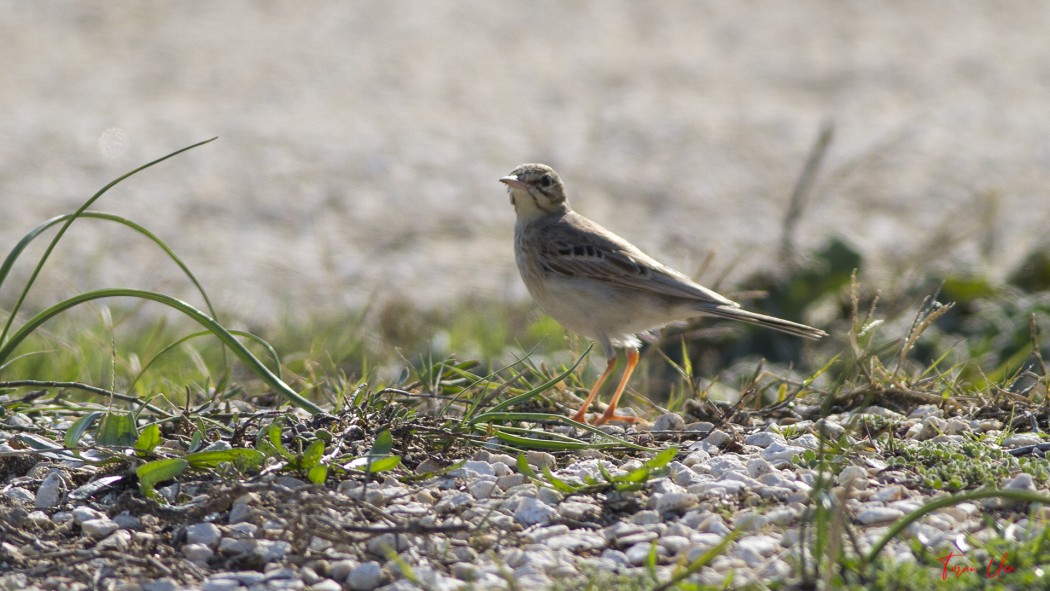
513	182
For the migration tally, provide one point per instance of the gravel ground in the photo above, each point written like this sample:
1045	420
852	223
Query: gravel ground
361	143
485	525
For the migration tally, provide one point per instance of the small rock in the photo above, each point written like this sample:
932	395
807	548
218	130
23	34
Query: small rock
473	469
510	481
576	541
82	514
669	422
325	585
926	411
780	454
748	521
454	503
808	441
365	577
855	475
674	544
242	507
197	553
242	530
220	583
207	534
1022	481
383	544
272	550
675	502
829	428
127	521
236	547
532	511
340	569
539	459
50	490
879	515
20	495
647	517
932	426
98	528
1022	439
893	492
164	584
118	540
699	428
482	489
718	438
579	511
763	439
638	554
757	467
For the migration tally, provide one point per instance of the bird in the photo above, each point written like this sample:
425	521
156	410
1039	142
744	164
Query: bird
601	286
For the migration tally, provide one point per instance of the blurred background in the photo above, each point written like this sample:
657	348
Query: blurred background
360	144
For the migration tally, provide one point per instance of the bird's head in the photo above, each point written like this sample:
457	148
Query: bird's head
535	191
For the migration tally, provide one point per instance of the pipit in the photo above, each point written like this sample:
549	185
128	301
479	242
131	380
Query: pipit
599	285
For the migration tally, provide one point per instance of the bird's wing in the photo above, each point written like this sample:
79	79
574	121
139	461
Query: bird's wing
576	247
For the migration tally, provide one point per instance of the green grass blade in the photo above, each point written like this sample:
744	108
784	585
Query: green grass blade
244	459
239	333
76	432
898	527
149	439
117	428
220	332
527	395
152	473
65	226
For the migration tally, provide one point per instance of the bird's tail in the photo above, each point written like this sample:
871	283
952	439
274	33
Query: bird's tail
793	328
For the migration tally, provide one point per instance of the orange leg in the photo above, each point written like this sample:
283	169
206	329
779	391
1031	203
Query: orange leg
610	413
581	415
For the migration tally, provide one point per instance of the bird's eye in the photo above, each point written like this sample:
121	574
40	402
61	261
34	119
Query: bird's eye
545	181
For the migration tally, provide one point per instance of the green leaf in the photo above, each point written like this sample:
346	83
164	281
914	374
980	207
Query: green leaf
79	428
157	471
558	483
269	443
149	439
384	464
243	459
117	429
663	458
525	468
318	474
312	456
384	443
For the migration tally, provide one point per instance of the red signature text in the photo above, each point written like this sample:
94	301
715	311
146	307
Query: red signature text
994	569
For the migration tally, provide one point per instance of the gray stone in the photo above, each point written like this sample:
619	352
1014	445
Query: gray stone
82	514
98	528
50	490
878	515
20	495
383	544
340	569
197	553
206	534
532	511
164	584
365	577
669	422
780	454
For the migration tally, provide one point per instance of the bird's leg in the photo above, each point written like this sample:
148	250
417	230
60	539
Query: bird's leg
610	412
581	415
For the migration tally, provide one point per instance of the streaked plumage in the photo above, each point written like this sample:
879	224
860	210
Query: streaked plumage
601	286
